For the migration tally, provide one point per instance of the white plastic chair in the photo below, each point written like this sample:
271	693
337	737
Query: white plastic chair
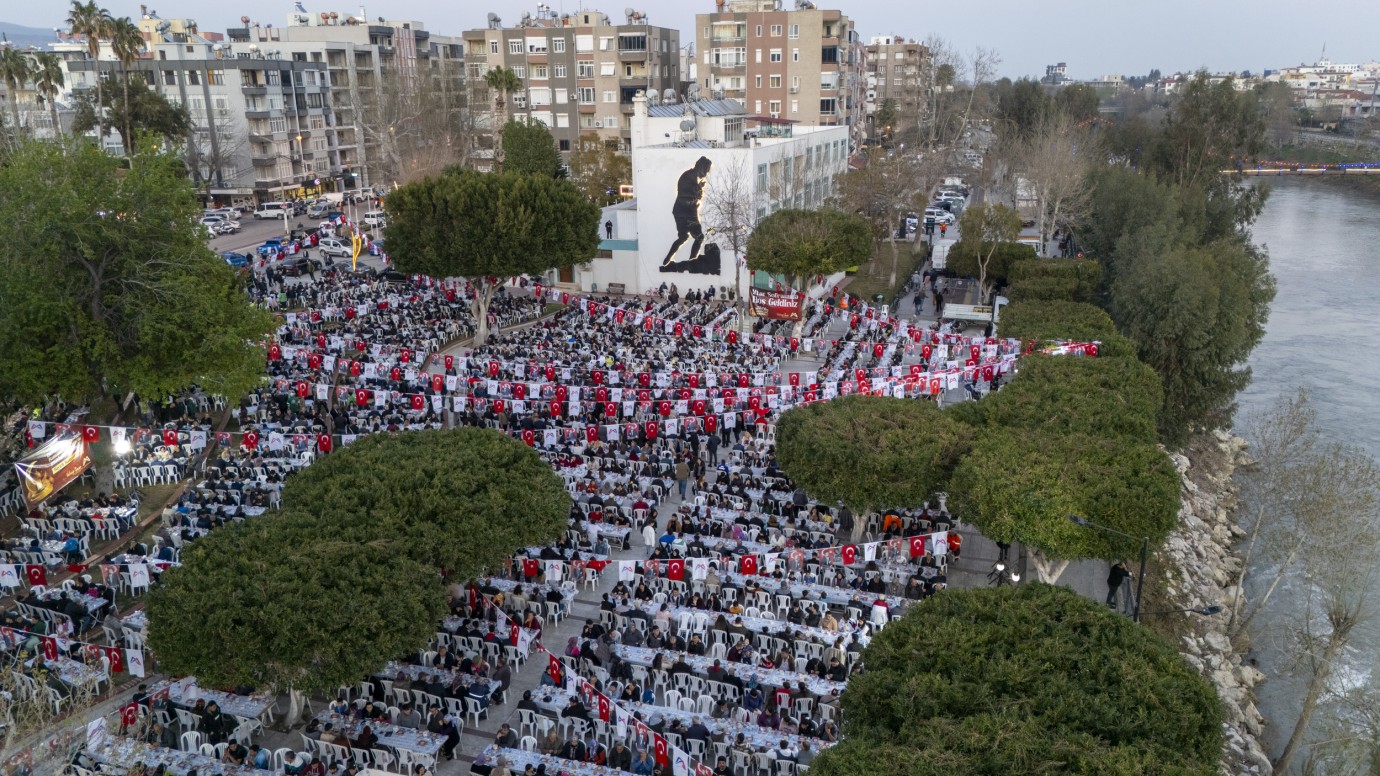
528	744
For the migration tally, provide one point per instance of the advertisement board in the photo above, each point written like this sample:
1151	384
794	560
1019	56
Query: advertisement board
51	466
775	305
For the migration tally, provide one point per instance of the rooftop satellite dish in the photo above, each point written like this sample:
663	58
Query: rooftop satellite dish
493	17
669	96
244	20
686	125
628	12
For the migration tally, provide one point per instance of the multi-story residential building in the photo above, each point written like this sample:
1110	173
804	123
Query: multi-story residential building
579	71
803	64
372	66
897	71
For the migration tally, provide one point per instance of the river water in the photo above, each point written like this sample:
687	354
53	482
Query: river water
1322	237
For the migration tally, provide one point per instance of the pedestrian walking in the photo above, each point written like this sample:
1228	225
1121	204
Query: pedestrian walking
1115	577
938	305
943	229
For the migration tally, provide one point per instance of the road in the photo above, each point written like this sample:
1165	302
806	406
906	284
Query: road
253	234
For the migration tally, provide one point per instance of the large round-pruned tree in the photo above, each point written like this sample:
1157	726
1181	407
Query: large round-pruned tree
1052	320
276	605
1102	396
461	500
1021	485
1031	679
799	243
487	228
1075	280
871	452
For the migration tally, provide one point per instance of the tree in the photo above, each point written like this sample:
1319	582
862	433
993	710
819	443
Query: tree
981	681
489	227
1055	159
966	259
126	43
214	150
800	243
139	109
459	500
1020	485
420	122
291	610
729	212
502	81
1103	396
1194	314
1070	280
15	70
886	120
529	149
92	22
1057	321
106	286
985	227
599	170
1208	128
871	452
49	78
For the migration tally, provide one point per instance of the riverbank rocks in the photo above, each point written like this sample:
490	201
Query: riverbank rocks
1200	550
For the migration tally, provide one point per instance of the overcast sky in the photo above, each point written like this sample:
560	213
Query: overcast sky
1095	37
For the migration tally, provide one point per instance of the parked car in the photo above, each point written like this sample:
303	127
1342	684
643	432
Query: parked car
272	210
335	247
227	213
376	219
235	259
272	245
939	216
226	227
295	266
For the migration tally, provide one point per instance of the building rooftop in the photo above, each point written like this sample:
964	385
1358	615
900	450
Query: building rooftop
697	108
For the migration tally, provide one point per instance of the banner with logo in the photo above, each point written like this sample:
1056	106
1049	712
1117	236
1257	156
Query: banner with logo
777	306
50	467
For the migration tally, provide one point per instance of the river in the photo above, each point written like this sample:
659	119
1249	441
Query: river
1322	238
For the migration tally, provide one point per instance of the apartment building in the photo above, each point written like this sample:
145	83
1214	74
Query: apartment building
802	64
580	71
897	70
369	64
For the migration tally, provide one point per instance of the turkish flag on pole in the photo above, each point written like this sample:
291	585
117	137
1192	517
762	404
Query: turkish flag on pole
605	708
675	569
849	554
37	574
661	750
553	669
129	715
748	565
323	443
117	659
170	438
91	434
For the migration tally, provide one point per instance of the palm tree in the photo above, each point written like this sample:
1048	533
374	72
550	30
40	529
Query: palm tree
503	82
48	82
94	22
15	71
127	43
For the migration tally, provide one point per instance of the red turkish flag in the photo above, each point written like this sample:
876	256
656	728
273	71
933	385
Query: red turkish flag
601	394
651	429
315	316
744	380
90	434
274	352
361	397
450	362
610	410
917	546
36	573
591	434
550	373
321	341
406	356
748	564
679	328
644	396
662	750
849	554
853	320
565	298
555	408
355	368
935	385
529	436
117	659
530	567
1091	349
593	308
698	406
170	437
251	440
664	408
314	361
605	708
987	372
438	382
694	380
493	369
323	443
697	332
519	391
685	394
618	315
925	351
647	323
703	770
50	648
675	569
710	423
878	349
129	713
733	336
418	401
553	669
597	377
360	346
793	378
395	374
810	396
513	631
975	352
561	393
450	295
349	313
499	404
755	402
795	344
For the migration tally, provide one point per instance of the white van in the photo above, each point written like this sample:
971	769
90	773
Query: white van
334	247
273	210
939	257
376	218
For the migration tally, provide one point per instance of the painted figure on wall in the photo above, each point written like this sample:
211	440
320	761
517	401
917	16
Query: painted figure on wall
686	212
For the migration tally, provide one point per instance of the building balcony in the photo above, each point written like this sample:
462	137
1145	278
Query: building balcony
587	107
265	161
632	55
257	113
253	90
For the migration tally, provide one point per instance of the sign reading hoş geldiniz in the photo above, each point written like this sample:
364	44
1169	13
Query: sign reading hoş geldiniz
775	305
55	463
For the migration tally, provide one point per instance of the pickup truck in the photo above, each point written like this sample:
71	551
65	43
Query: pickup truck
272	245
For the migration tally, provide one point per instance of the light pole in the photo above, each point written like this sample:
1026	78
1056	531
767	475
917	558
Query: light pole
1144	552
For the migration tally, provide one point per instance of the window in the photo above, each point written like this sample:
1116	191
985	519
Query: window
313	100
563	121
795	55
520	71
774	107
585	94
795	82
775	82
520	100
587	122
607	68
558	46
757	55
564	144
540	96
762	177
829	55
170	78
539	72
610	96
536	45
215	77
757	82
795	106
606	44
514	46
562	96
795	31
584	42
273	77
560	71
632	42
776	30
828	106
759	30
584	68
757	106
194	77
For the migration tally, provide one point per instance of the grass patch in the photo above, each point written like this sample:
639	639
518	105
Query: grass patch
886	272
1316	154
552	308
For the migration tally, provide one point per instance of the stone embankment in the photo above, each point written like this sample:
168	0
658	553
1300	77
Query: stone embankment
1205	568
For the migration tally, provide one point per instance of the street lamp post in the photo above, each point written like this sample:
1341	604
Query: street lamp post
1144	553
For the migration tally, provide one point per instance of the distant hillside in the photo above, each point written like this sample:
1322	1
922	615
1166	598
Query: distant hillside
23	37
